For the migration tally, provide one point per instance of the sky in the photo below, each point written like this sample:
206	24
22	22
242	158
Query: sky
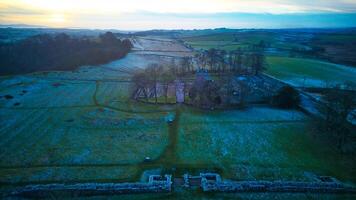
179	14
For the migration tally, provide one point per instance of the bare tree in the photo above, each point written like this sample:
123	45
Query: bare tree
259	62
212	59
186	64
153	71
140	82
202	60
167	77
340	101
222	60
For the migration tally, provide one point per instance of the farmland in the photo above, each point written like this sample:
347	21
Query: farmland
309	73
112	138
289	54
82	126
91	125
235	40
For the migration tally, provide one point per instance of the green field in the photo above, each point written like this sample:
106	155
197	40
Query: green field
307	72
252	145
229	41
337	38
90	131
82	126
236	40
297	71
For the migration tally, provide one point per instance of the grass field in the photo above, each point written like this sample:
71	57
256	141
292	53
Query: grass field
81	126
337	38
307	72
252	145
108	137
297	71
233	41
229	41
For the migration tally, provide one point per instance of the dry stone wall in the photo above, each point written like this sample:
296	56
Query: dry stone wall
156	184
214	183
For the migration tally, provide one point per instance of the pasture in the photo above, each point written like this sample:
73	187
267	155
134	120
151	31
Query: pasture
309	73
89	131
299	71
81	126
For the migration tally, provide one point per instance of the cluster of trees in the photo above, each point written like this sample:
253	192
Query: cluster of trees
250	60
205	94
340	101
60	52
145	81
286	97
314	51
237	61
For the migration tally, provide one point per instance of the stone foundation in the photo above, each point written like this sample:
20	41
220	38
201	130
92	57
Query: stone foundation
156	184
213	183
208	182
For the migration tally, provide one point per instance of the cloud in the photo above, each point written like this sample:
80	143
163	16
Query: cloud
188	6
150	20
145	14
16	13
15	10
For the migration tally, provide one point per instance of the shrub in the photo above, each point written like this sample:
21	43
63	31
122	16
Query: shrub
287	97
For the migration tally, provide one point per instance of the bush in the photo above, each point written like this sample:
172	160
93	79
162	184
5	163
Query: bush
287	97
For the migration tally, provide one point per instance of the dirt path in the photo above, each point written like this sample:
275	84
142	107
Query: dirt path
169	157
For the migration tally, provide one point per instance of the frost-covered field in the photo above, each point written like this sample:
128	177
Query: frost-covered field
258	143
81	126
309	73
56	139
160	44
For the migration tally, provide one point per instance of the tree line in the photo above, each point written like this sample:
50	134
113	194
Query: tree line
340	101
145	81
213	61
60	52
248	61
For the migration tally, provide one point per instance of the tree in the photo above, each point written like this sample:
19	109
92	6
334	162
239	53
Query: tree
262	44
235	60
186	64
140	82
126	43
222	61
205	94
211	93
287	97
109	38
212	58
340	101
243	93
153	71
60	52
202	60
259	62
167	77
146	81
230	60
239	61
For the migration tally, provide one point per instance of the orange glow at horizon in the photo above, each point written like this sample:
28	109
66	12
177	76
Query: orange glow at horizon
105	13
